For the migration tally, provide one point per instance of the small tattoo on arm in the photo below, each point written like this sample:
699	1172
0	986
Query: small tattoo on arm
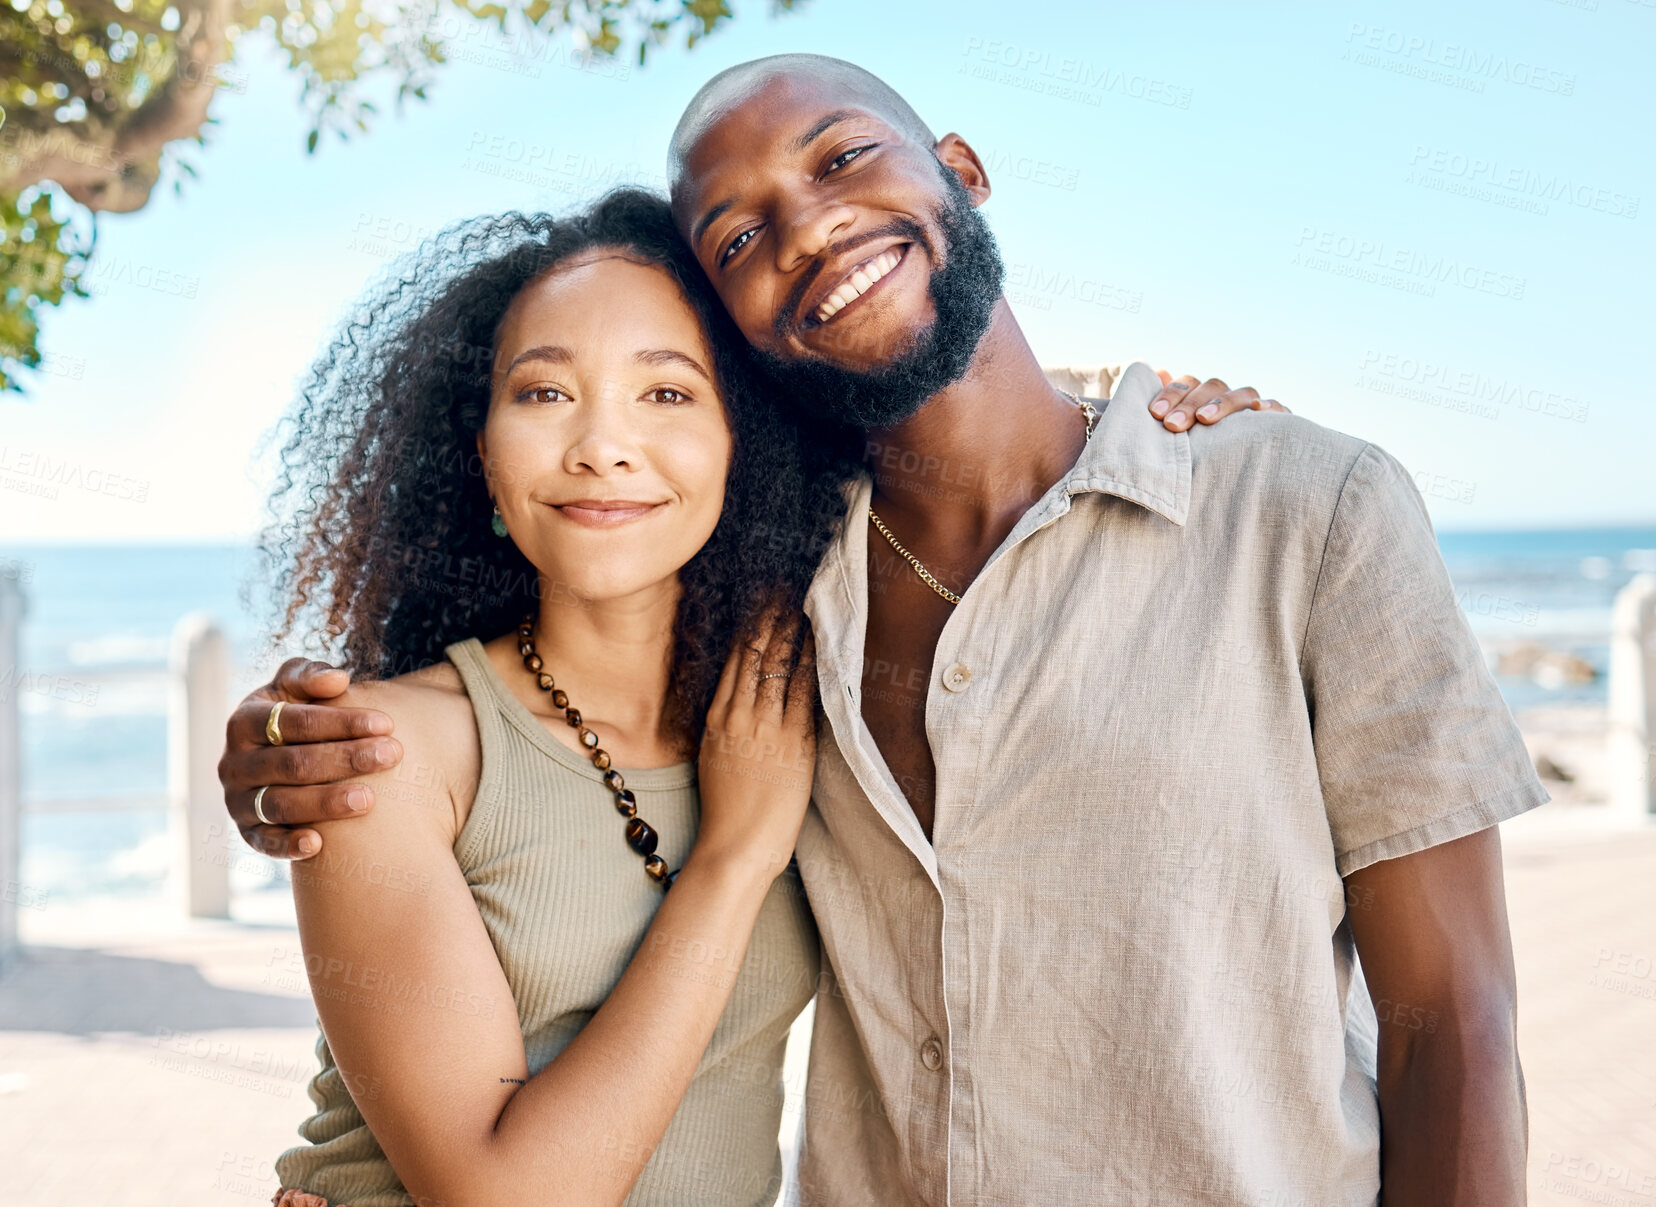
514	1080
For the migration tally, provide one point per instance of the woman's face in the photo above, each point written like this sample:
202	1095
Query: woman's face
606	445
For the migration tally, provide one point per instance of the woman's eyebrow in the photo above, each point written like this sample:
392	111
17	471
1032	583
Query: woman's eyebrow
556	354
671	356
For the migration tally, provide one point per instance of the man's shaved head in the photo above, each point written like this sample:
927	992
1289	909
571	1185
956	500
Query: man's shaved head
735	84
842	235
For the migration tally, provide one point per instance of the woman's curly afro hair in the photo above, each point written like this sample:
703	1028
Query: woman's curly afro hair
381	540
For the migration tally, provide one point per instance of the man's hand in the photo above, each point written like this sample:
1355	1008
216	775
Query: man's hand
1185	402
323	746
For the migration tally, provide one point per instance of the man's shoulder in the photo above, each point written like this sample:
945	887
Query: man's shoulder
1292	458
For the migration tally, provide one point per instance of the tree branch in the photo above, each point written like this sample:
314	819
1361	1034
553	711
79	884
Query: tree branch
113	167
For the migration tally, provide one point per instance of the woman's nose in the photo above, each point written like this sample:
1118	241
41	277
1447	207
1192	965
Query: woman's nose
604	440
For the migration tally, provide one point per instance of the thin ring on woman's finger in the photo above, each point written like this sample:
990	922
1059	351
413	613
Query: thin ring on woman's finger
258	805
774	665
748	667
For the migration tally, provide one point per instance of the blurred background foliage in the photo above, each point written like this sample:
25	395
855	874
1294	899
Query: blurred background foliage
100	98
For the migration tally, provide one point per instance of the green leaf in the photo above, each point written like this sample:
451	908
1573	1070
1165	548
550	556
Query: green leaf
111	59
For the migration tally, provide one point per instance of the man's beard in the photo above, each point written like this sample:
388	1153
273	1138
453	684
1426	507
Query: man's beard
963	292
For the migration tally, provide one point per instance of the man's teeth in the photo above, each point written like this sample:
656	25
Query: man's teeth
858	283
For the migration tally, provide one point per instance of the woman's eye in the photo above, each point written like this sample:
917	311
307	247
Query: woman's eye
846	156
668	396
541	394
736	245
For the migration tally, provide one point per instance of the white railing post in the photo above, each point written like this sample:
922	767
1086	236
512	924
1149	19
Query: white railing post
1633	702
195	737
12	608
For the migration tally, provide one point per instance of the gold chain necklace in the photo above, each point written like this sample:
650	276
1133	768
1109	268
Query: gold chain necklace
926	576
641	835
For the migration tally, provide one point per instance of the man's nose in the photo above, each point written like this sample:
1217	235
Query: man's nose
809	230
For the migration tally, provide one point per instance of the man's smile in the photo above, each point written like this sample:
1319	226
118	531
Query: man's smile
856	284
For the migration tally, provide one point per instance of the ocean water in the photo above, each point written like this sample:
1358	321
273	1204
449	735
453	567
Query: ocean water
94	696
95	689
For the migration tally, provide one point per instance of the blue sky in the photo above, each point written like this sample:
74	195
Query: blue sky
1428	227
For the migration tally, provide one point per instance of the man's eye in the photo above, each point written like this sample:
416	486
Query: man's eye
668	396
846	156
736	245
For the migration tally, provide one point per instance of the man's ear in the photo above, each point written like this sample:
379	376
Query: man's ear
956	154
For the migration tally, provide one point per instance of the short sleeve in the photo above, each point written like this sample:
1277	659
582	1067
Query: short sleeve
1415	746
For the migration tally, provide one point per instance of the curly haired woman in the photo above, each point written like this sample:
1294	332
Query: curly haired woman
532	493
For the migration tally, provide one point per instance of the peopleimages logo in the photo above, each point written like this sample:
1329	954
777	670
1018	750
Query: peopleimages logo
1064	76
1522	181
1483	394
30	472
1037	286
1379	262
1449	62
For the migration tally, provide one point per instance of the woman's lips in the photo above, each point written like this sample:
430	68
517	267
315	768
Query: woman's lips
595	514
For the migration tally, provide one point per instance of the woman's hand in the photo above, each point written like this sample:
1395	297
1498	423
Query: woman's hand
442	1077
1187	401
759	749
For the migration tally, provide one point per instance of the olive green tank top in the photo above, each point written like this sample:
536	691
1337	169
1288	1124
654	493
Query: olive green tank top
566	902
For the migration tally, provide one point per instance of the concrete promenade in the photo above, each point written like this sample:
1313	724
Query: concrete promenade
145	1060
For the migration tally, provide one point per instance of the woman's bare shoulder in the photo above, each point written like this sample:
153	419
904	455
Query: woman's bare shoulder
434	690
432	719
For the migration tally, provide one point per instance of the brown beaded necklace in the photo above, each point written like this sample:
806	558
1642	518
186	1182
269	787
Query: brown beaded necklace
641	836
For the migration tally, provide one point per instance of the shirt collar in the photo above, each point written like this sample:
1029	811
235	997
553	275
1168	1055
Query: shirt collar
1131	455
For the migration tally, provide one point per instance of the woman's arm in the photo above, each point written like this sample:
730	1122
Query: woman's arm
419	1016
328	746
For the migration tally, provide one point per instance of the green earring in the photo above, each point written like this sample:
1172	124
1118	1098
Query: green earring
499	522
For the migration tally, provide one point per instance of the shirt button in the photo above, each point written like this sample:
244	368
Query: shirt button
957	677
931	1054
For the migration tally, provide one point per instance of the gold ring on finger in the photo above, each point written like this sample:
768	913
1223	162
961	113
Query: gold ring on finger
273	725
773	675
258	805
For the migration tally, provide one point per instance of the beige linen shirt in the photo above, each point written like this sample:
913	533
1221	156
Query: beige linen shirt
1205	677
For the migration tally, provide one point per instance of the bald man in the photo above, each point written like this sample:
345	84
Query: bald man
1152	842
1135	745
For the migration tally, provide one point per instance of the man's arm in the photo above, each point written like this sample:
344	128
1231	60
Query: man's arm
310	777
316	774
1419	759
1431	933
